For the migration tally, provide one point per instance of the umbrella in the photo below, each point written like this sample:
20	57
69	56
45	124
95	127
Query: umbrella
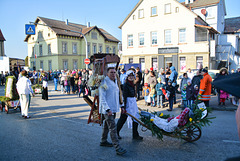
229	84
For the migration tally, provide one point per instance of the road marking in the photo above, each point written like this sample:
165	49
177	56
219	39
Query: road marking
231	141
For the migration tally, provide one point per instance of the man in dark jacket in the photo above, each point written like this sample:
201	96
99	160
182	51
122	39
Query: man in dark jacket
197	78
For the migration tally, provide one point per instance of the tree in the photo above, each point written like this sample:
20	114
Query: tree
26	61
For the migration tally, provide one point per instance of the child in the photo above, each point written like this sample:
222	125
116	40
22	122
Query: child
223	96
159	88
190	94
171	91
196	91
184	96
146	91
45	89
152	95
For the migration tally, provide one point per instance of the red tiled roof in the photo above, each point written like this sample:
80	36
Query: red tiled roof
232	25
60	28
1	36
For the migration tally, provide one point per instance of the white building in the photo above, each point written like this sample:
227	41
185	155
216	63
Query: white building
163	33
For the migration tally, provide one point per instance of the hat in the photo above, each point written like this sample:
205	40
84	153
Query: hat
145	84
130	72
185	85
195	86
159	79
151	68
169	81
189	81
205	69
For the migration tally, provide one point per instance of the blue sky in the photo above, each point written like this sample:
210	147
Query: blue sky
107	14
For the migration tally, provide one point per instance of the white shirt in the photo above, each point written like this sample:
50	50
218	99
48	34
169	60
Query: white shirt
24	86
45	84
109	96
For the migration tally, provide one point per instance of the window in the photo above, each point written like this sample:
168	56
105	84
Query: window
33	51
154	38
94	48
130	40
168	62
64	47
88	48
114	49
100	48
49	49
168	36
41	64
49	64
182	35
142	62
40	50
154	11
65	64
140	13
177	9
48	34
74	48
199	62
141	39
167	8
154	64
75	64
200	34
130	60
210	13
133	17
182	64
40	34
107	49
94	35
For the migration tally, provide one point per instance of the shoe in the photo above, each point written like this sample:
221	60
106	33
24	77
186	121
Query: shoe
119	137
138	138
27	117
106	143
121	151
23	116
219	103
224	104
169	109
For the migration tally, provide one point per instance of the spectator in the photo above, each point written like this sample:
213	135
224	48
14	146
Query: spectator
152	95
173	79
171	90
162	76
190	73
184	96
45	89
152	79
196	91
123	76
145	77
190	94
222	73
146	92
223	96
184	80
159	88
205	87
197	78
138	81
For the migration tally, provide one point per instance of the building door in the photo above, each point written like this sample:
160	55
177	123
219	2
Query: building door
168	62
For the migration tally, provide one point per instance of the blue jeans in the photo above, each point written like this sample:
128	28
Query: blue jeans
171	102
159	100
67	89
55	83
184	103
189	103
153	101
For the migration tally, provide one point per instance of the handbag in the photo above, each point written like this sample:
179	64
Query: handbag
65	83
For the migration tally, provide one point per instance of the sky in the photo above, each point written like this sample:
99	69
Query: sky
106	14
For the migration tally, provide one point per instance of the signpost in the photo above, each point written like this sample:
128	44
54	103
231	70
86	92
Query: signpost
30	29
87	61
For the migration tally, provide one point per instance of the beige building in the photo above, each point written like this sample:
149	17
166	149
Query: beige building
59	45
163	33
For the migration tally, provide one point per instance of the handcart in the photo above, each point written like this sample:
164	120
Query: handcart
12	105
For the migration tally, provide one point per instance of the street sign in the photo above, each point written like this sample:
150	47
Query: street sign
29	29
87	61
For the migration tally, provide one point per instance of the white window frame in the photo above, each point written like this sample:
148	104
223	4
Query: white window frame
166	9
100	48
154	38
49	49
182	35
168	36
41	64
74	48
130	40
64	47
40	50
153	14
140	13
114	50
141	39
75	64
107	49
94	35
65	66
94	46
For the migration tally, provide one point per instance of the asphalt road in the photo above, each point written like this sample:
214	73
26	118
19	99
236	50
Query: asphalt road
58	130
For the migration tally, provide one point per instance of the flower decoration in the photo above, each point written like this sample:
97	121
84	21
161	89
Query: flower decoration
161	115
190	119
151	120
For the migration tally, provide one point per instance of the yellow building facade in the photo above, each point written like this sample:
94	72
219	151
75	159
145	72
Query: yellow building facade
59	45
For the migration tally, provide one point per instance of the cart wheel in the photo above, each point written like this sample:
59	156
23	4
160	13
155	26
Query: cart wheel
191	133
6	109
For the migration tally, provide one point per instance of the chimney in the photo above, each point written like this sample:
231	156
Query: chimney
88	24
66	21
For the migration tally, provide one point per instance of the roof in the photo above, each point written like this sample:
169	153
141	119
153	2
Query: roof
208	27
1	36
60	28
201	3
232	25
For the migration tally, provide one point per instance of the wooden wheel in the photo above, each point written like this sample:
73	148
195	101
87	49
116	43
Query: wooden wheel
191	133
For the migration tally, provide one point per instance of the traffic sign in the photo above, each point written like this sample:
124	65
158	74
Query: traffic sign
29	29
87	61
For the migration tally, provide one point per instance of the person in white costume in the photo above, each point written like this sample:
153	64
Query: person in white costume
24	90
